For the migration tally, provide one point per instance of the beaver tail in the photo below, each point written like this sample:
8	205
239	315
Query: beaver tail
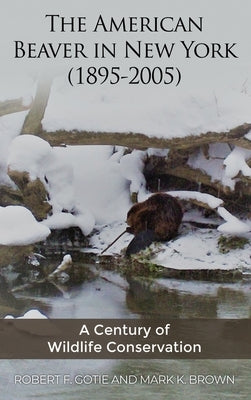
140	241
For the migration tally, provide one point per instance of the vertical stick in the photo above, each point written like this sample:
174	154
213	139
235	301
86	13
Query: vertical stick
115	240
33	121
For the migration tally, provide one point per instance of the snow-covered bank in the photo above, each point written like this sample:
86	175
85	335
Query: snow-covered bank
198	249
90	187
154	113
32	314
193	249
10	126
19	227
91	183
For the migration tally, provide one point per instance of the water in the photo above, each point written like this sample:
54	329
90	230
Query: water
99	293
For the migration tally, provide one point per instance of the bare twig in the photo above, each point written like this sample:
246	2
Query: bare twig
115	240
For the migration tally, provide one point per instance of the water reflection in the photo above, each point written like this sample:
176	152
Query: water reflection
93	293
91	289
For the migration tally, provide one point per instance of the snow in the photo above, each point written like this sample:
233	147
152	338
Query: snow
198	249
196	215
69	109
64	265
98	184
193	249
233	225
211	201
19	227
214	93
131	166
62	220
90	186
106	234
236	162
20	86
29	153
213	165
31	314
87	185
10	126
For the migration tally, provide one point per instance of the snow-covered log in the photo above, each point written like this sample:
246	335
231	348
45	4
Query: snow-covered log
13	106
32	123
235	136
220	166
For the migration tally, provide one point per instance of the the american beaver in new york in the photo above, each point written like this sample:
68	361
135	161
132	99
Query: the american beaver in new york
156	219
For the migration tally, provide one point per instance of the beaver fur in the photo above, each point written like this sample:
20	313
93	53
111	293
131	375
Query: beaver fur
156	219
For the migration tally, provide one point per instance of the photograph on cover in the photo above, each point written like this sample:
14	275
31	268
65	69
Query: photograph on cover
125	166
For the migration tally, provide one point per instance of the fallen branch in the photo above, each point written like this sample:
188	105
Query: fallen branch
115	240
234	136
198	176
32	123
12	106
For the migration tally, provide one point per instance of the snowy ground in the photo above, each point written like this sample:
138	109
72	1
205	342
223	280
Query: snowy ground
94	183
193	249
198	249
161	114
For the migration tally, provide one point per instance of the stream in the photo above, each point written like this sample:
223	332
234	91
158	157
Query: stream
94	291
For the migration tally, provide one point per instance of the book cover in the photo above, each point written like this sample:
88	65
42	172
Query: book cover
125	165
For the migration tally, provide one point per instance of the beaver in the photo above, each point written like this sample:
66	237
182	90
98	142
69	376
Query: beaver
156	219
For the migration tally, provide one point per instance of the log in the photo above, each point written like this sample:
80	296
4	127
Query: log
33	192
243	186
176	165
12	106
10	196
235	136
32	123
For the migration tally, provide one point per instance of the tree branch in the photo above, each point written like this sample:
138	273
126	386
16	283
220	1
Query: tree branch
12	106
140	141
32	123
